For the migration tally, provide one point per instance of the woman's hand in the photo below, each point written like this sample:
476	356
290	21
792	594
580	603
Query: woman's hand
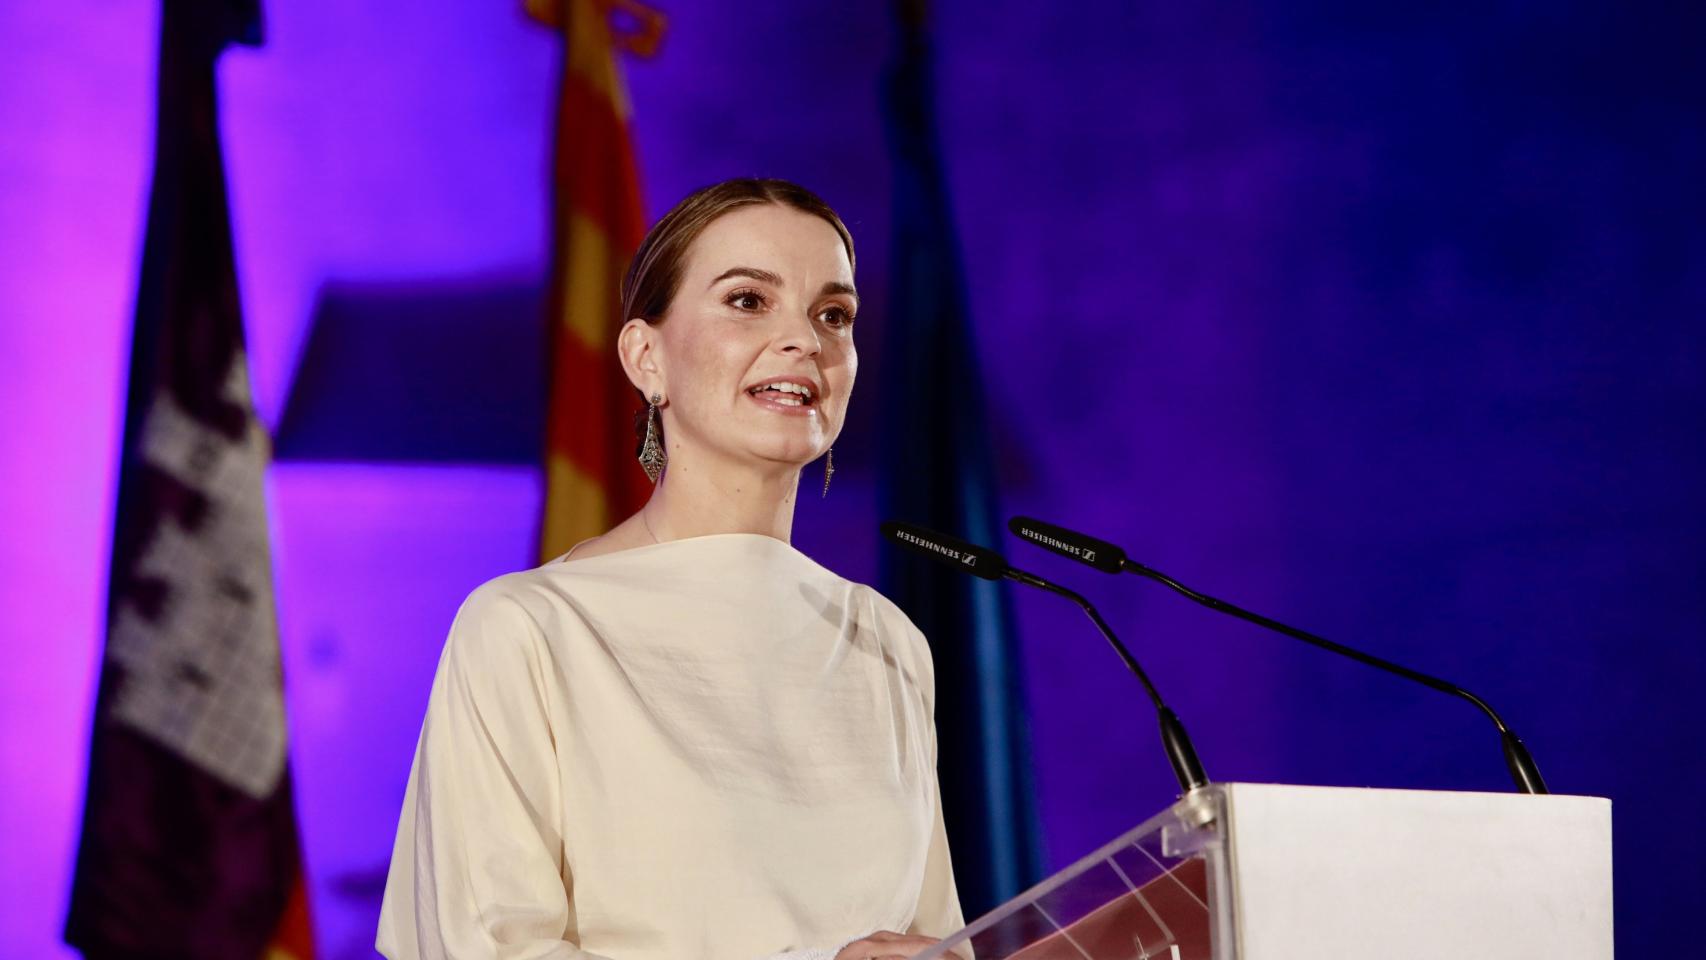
886	945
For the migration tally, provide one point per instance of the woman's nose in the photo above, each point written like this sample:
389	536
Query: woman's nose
799	335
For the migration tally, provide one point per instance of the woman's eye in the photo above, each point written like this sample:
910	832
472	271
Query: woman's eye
836	317
746	300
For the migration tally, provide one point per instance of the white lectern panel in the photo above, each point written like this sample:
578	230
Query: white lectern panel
1320	872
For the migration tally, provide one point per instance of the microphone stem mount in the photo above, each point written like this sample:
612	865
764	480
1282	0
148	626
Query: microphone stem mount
1181	753
1523	769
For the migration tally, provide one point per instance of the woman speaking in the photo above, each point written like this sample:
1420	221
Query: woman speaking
684	739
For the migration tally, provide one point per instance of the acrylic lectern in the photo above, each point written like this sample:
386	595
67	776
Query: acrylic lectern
1245	871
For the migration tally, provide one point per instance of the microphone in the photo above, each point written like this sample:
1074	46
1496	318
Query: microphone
1109	558
989	565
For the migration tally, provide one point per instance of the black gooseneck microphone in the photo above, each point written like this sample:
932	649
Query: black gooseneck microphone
1109	558
982	562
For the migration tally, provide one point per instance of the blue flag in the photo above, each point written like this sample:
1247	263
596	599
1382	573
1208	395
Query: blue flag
938	471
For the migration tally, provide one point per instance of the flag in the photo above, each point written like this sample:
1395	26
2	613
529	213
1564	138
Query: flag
189	844
938	472
591	477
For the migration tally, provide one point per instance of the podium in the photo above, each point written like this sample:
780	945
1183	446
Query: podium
1245	871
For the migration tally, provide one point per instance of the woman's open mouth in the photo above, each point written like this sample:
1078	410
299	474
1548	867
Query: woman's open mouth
788	396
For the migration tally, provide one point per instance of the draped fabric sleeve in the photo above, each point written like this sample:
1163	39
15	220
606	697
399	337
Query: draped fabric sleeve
939	912
477	872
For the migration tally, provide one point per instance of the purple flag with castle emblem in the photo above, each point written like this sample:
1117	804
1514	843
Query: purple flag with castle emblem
189	845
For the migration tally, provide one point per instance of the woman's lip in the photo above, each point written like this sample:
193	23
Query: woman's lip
764	399
806	382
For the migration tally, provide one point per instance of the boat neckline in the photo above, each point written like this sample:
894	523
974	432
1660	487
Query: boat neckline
566	562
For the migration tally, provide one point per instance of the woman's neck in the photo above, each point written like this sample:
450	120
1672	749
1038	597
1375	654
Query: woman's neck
724	498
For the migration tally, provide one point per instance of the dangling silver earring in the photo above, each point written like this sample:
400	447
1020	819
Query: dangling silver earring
828	469
652	455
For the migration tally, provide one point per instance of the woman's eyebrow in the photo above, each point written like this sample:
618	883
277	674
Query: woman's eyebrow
753	273
834	287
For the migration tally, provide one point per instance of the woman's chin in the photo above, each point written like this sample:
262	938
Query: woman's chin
794	452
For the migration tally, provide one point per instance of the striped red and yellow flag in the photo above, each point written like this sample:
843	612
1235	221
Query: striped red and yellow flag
592	479
294	938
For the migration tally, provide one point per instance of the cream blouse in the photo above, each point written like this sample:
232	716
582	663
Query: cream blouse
707	748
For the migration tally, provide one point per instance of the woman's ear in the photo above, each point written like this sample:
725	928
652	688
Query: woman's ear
637	346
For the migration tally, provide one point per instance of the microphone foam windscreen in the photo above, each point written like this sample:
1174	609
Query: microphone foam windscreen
967	557
1100	554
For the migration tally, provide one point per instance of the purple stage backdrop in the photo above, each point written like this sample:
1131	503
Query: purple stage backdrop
1386	323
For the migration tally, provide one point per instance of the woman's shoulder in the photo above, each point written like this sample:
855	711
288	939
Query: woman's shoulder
889	612
508	596
524	608
893	621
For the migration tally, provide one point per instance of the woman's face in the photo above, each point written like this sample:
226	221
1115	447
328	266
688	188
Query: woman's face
756	350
